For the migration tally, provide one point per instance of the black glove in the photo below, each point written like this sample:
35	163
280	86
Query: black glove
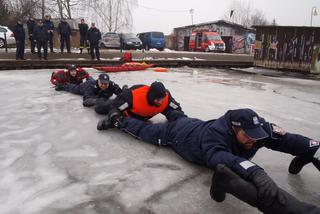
268	191
89	102
104	124
59	86
115	117
112	120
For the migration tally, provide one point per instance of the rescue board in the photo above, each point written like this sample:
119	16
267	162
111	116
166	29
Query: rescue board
129	66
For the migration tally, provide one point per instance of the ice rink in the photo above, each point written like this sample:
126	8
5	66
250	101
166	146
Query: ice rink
53	160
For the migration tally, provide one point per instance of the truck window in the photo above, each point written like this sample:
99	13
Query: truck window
213	37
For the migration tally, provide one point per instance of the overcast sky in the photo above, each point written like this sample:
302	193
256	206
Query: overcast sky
285	12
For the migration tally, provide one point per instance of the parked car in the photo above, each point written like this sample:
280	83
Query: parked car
9	36
152	40
110	40
206	41
130	41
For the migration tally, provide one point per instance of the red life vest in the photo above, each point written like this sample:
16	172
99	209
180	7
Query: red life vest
59	77
63	77
140	105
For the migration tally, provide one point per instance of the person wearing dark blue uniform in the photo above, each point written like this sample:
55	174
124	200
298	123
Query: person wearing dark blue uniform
19	35
65	33
48	24
31	25
83	29
40	36
226	145
93	90
94	36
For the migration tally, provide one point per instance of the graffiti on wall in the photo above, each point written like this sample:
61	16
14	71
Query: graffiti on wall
286	46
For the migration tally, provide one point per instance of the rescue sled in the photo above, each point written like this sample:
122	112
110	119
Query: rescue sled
129	66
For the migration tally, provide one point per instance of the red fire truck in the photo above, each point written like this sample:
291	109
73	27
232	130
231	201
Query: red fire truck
207	41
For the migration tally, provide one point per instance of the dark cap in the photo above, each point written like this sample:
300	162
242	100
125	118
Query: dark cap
249	121
71	67
156	91
104	78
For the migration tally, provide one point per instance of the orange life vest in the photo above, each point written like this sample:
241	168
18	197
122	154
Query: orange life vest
140	105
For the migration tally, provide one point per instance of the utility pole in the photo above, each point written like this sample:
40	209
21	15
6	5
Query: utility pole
191	13
313	13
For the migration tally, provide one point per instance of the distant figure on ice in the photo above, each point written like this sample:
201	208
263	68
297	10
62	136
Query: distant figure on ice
226	145
48	24
94	36
93	90
40	36
142	102
20	36
83	28
31	25
73	75
64	30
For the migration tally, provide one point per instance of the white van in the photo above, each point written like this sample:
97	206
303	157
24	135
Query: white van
9	36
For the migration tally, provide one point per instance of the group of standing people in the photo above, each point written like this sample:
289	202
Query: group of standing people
225	145
41	34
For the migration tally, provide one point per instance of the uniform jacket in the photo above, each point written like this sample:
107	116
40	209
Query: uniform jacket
94	35
40	34
48	25
212	142
18	32
83	28
64	29
31	24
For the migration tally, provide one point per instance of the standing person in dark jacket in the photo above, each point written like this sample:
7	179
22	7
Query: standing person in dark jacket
93	90
94	35
41	35
83	28
48	24
31	24
19	35
227	145
142	102
65	33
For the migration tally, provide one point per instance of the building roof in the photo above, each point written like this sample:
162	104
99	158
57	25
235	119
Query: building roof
286	26
218	22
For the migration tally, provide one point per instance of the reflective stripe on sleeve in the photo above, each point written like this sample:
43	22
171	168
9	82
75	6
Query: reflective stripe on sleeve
173	105
317	154
246	164
123	106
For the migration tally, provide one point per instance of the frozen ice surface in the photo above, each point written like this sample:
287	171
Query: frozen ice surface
53	160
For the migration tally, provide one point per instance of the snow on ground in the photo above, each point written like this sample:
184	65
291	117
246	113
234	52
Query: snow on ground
53	160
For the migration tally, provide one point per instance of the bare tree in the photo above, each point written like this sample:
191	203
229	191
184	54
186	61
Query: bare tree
4	12
21	9
114	14
244	14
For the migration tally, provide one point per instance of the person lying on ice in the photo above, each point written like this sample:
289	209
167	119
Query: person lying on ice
141	102
226	145
73	75
93	90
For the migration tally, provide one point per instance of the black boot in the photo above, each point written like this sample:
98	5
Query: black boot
297	164
316	163
224	180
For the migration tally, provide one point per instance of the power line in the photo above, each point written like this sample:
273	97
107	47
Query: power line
163	10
